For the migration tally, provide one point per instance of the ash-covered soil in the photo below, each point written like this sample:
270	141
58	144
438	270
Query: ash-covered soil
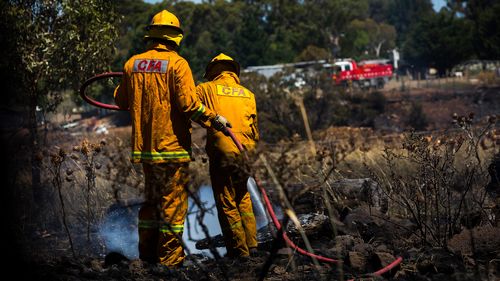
365	242
353	225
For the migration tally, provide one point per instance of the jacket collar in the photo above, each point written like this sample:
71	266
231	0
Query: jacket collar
160	46
227	76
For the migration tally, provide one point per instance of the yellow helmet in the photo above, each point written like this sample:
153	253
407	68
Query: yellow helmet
165	25
222	59
164	19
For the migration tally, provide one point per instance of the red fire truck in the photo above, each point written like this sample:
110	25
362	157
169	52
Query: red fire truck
365	74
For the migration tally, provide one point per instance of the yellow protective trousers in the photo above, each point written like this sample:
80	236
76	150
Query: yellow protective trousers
161	218
234	207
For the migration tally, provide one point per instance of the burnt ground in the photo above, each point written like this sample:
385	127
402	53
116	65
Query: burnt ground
361	235
438	105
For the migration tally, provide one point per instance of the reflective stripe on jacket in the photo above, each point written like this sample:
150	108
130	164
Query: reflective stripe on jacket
159	91
228	98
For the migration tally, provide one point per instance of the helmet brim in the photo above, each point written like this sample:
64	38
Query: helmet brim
235	65
149	27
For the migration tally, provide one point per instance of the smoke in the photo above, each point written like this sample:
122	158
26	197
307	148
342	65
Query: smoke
118	230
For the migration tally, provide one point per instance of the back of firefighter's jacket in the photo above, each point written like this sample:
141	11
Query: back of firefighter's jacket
228	98
159	91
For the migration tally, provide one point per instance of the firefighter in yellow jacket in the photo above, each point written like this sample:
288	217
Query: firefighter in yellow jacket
159	91
224	94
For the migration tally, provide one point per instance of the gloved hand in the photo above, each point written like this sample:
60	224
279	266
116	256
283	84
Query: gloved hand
220	123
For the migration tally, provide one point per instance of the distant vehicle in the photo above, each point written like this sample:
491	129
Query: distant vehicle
365	74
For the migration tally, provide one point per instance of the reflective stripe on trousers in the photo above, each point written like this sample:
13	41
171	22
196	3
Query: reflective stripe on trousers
161	218
234	208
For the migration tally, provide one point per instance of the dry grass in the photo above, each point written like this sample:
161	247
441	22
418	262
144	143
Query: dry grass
433	179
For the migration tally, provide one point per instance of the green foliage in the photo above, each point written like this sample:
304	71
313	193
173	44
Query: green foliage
61	42
378	10
270	31
253	32
11	64
439	40
404	14
486	22
312	53
53	45
368	37
57	45
134	16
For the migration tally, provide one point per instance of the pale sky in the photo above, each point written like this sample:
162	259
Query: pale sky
438	4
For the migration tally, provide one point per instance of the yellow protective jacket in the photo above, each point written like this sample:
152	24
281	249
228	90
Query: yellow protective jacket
228	98
158	89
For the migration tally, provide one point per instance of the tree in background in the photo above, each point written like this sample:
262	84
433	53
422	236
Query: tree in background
369	38
256	32
485	19
404	13
251	40
379	10
134	17
273	31
439	40
210	29
487	27
328	21
311	53
53	45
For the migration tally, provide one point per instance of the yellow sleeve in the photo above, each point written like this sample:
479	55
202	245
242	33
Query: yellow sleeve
120	94
254	125
187	99
200	94
121	97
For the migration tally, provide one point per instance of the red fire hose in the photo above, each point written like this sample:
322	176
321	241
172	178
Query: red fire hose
93	79
285	236
240	147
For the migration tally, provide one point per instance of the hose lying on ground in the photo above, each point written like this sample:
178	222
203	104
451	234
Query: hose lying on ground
290	243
